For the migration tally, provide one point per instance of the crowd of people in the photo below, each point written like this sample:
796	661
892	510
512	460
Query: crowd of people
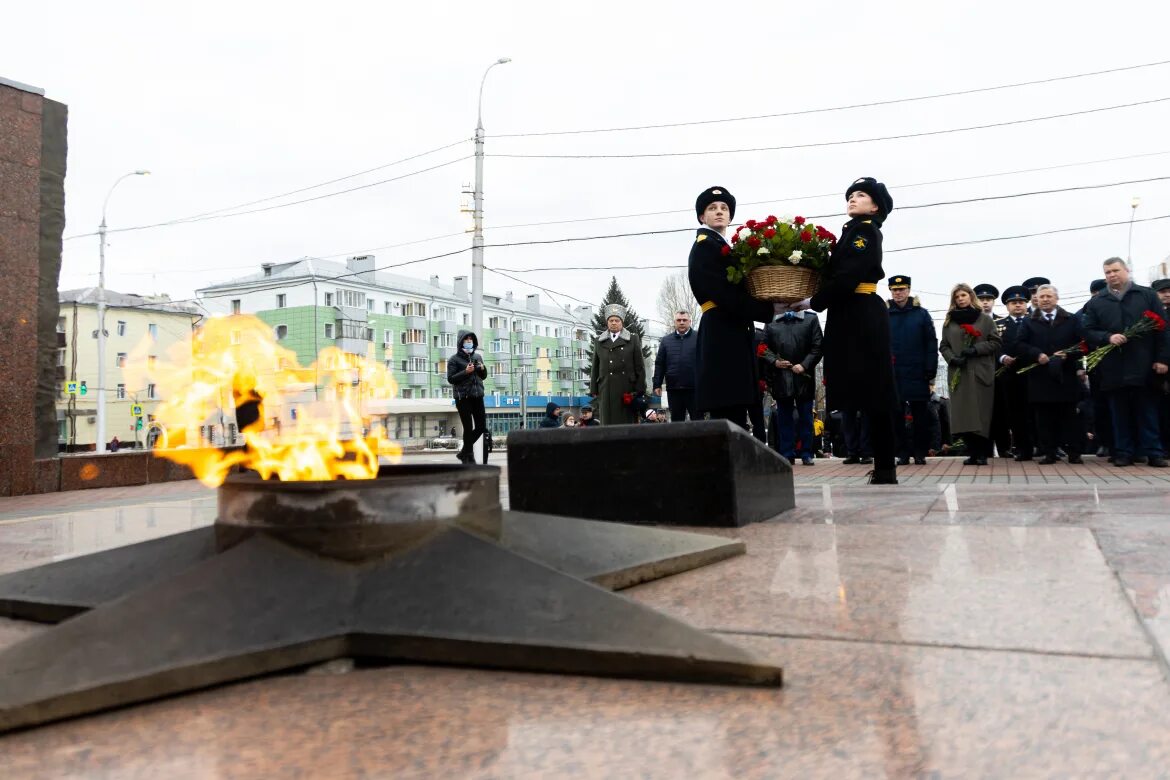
1039	382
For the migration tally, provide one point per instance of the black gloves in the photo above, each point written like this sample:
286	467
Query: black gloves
958	361
970	352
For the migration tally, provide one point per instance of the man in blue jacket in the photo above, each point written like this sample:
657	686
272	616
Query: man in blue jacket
914	345
1129	373
675	363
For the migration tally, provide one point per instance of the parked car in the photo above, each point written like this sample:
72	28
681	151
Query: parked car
445	443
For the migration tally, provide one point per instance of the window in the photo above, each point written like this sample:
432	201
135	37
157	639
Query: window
441	367
120	362
446	392
152	329
61	358
387	338
404	393
414	336
387	307
498	345
445	340
466	319
498	322
328	299
60	324
281	332
121	393
150	391
351	298
369	334
328	330
281	301
498	368
235	306
414	309
416	365
369	304
122	326
422	393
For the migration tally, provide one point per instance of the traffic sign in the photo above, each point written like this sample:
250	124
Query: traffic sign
138	424
136	410
70	388
82	389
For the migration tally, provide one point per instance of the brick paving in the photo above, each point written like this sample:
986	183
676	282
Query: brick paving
1094	471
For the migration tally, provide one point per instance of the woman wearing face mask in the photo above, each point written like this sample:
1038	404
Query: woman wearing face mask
466	372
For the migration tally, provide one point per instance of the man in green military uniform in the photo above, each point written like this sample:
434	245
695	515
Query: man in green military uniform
618	373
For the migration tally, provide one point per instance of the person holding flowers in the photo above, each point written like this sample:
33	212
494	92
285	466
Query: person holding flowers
1049	347
858	368
970	342
1125	323
725	361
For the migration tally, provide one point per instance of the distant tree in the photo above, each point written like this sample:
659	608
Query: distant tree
633	324
675	295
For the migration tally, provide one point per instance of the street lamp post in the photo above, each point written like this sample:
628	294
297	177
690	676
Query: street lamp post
477	212
101	315
1133	207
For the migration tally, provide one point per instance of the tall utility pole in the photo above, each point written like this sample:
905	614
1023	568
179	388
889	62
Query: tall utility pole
101	315
477	212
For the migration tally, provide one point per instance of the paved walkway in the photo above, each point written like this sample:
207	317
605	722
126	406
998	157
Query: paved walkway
943	629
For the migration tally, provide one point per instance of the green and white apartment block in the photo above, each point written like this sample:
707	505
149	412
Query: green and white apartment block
411	326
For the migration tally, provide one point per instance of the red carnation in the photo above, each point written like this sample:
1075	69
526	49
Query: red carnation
763	386
771	220
972	331
735	239
754	242
806	236
1159	323
761	349
627	398
1083	347
798	220
725	251
751	224
769	233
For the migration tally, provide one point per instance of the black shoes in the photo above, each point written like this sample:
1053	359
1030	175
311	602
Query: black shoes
920	461
1158	463
1075	459
973	461
1121	461
851	460
903	461
1023	457
883	477
466	457
865	461
1048	460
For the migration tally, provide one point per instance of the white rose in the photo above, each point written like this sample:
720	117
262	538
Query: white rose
763	251
796	257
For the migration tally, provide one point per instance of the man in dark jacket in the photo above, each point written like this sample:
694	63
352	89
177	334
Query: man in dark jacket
793	341
725	365
466	372
1102	422
552	416
1162	386
675	363
1053	385
1128	373
1013	389
914	345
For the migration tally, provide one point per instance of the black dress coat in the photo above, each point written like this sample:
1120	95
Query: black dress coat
858	368
1057	382
1131	365
725	374
797	341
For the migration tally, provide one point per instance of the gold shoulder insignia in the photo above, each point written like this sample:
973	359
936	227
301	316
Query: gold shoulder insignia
701	237
859	243
867	221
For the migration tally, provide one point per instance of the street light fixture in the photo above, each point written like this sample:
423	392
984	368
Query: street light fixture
101	314
1133	207
477	211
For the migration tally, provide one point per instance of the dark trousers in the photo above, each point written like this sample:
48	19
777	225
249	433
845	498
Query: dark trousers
789	433
855	428
737	414
473	419
1135	422
978	445
1056	423
881	434
1020	417
916	441
756	418
682	405
1164	419
1001	429
1102	421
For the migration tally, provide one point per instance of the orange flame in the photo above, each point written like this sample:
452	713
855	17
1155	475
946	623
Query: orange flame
310	425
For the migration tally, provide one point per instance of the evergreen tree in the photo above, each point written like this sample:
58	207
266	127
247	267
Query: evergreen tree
632	323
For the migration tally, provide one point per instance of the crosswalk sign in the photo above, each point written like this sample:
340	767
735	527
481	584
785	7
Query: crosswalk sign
136	410
70	388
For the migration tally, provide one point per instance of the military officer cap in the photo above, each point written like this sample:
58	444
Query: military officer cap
714	195
1161	284
1017	292
615	310
1035	282
986	291
899	281
1096	286
875	190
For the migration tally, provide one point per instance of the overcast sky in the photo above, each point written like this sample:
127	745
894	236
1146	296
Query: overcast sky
228	103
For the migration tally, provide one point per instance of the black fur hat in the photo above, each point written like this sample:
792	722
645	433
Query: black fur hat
876	190
712	195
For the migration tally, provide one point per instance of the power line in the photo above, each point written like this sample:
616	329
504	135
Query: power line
850	107
818	144
279	205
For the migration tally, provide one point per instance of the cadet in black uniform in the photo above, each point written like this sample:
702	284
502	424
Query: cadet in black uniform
1014	389
1000	428
725	365
858	368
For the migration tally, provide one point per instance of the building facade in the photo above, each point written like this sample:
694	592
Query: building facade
135	325
412	325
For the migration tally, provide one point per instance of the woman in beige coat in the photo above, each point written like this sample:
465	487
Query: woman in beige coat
972	359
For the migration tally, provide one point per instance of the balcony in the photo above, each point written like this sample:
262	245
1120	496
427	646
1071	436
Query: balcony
414	350
583	364
414	322
448	326
523	337
564	342
501	381
523	360
415	378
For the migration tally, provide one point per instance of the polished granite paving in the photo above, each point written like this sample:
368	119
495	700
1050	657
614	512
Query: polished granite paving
931	630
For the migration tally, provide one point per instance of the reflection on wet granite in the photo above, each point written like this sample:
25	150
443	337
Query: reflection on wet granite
1042	589
849	710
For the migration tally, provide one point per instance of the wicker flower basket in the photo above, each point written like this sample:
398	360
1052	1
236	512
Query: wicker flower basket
783	283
